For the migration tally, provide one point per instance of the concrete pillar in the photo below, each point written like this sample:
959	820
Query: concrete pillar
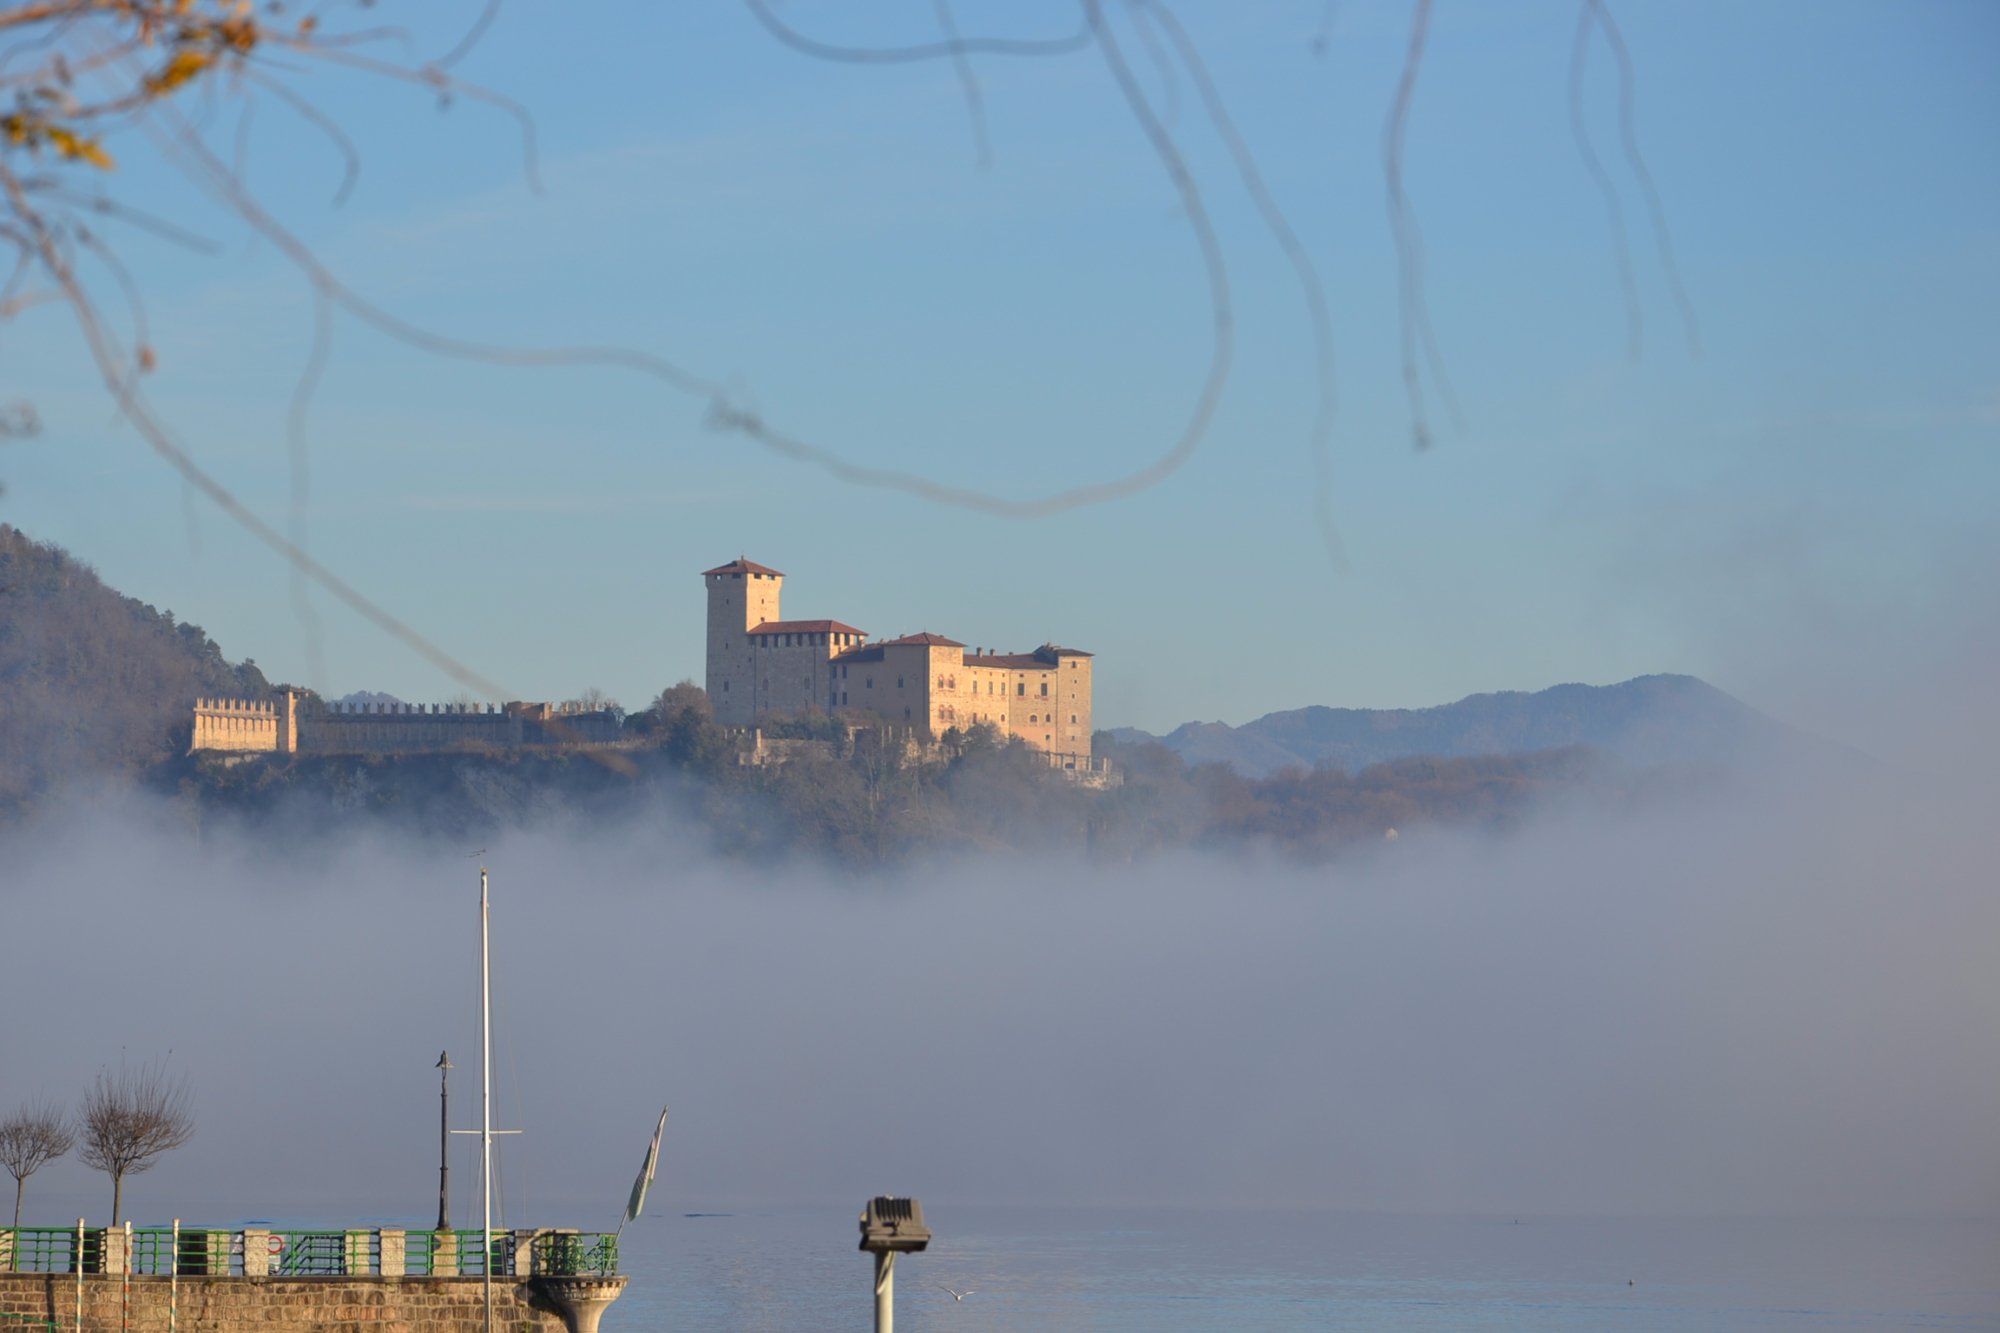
395	1252
256	1252
356	1256
6	1249
444	1255
116	1260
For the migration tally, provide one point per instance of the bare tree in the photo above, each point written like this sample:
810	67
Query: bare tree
30	1139
131	1117
686	696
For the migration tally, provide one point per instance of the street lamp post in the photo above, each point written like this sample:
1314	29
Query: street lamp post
444	1067
891	1226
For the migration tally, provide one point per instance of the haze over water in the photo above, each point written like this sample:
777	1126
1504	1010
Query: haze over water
1763	1000
1168	1270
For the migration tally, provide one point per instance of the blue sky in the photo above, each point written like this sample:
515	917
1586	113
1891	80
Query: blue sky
1801	513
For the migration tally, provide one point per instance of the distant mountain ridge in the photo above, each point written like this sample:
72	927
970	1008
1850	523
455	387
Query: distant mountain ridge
1646	721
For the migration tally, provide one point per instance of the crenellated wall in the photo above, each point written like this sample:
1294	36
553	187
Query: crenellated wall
267	725
403	728
288	724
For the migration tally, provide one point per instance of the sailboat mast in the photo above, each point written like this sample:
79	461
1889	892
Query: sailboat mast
486	1091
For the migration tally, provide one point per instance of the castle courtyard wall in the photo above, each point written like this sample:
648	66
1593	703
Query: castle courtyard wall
326	731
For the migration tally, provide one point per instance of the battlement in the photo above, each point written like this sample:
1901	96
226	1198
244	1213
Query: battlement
246	725
289	724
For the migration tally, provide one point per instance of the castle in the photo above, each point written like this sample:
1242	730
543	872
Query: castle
920	685
759	664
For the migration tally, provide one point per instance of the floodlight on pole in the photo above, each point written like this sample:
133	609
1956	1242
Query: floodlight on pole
889	1227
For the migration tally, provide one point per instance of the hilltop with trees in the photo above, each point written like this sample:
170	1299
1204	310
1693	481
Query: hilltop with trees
93	684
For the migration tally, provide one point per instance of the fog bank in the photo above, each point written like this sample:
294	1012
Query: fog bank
1770	1002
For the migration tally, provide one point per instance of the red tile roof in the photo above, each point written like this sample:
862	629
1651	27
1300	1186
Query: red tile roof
741	566
806	627
926	639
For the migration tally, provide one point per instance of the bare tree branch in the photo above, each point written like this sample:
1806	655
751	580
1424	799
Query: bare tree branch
1621	248
30	1139
895	55
129	1119
1629	136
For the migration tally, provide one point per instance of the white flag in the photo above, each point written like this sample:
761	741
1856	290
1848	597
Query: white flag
638	1199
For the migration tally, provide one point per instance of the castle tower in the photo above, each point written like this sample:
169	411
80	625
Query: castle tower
741	596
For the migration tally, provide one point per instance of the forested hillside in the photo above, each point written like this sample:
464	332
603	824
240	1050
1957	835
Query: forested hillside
91	682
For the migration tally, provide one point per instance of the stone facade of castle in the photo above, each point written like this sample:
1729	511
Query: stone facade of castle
760	663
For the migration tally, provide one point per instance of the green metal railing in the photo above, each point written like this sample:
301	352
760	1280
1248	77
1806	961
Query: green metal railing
576	1253
152	1251
323	1253
219	1252
444	1252
48	1249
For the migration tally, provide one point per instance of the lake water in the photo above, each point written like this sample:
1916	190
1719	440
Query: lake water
1159	1271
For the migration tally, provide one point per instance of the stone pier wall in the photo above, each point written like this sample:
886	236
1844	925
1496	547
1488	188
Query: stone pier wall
274	1305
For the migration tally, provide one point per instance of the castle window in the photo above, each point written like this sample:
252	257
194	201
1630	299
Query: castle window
868	683
1033	718
1020	689
843	696
1072	719
725	690
940	682
954	682
899	682
1045	689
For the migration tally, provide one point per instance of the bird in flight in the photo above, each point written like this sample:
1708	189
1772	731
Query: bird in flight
955	1295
